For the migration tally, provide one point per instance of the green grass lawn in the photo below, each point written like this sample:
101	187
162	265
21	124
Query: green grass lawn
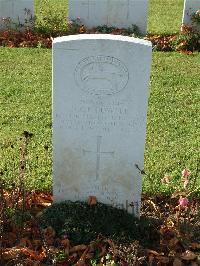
164	16
173	133
25	99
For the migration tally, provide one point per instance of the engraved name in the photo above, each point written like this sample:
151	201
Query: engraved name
104	118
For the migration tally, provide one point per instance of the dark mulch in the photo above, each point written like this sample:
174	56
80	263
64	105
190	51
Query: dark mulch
83	234
186	41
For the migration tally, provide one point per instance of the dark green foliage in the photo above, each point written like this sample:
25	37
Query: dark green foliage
196	17
188	39
105	29
83	223
132	31
51	17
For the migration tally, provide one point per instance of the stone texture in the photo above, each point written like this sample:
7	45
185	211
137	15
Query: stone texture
17	10
100	97
116	13
190	7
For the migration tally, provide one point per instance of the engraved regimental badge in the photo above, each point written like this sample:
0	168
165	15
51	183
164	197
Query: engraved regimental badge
101	75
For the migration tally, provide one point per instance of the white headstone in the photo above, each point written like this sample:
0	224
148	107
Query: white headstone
115	13
18	11
190	7
100	95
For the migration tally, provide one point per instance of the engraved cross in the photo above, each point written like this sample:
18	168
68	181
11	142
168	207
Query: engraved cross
98	153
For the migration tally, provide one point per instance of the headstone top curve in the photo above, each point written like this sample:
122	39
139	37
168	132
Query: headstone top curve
81	37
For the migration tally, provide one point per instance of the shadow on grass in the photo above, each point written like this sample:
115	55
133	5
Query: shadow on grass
82	223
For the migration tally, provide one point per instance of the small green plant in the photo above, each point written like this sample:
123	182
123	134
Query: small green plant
105	29
50	19
75	26
132	31
183	213
188	39
183	186
196	17
6	23
60	257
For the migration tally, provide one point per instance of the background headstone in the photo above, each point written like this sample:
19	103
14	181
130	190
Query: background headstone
116	13
100	97
190	7
19	11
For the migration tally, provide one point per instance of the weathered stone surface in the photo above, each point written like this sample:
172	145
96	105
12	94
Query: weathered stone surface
190	7
18	11
116	13
100	95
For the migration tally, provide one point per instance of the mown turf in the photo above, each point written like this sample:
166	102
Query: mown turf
25	100
173	133
163	17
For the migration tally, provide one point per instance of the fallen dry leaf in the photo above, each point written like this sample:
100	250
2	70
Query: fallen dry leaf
49	232
9	239
177	262
153	252
37	244
103	251
195	246
162	259
193	263
186	52
188	255
33	254
152	205
92	200
82	29
10	253
66	244
81	261
173	242
78	248
25	242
